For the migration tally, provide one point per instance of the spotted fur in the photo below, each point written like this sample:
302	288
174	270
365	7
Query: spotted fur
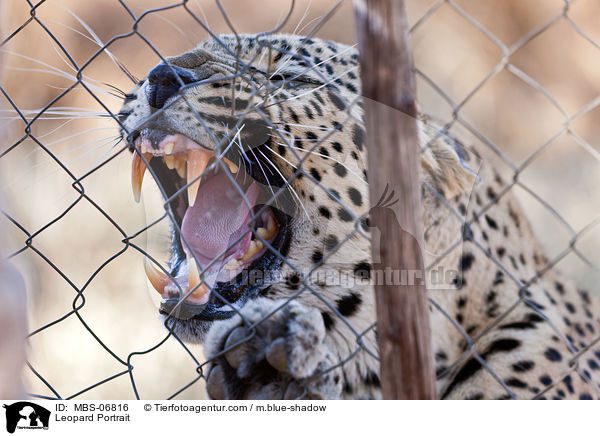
506	326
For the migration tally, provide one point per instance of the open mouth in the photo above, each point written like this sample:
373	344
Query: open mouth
226	227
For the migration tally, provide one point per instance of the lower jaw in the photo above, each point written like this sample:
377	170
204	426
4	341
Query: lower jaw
182	310
192	331
227	297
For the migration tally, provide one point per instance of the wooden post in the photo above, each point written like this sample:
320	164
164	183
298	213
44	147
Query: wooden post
393	161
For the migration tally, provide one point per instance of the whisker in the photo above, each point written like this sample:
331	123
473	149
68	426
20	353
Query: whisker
117	90
310	90
243	158
62	57
104	156
205	19
52	70
66	26
71	149
295	32
56	113
66	138
186	35
314	20
263	171
66	161
99	43
54	130
325	157
312	66
297	197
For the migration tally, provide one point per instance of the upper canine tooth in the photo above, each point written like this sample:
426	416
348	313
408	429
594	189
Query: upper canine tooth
157	278
138	169
181	166
233	168
196	164
169	161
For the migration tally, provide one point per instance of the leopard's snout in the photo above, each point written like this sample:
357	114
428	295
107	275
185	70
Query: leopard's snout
164	82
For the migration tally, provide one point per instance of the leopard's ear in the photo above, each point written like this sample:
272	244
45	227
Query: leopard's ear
445	162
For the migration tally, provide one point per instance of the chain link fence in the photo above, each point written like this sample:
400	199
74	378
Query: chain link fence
108	320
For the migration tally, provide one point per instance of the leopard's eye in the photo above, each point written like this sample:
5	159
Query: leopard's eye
278	78
292	80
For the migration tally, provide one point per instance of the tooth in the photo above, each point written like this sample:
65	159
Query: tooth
193	276
197	161
271	226
169	161
233	168
168	148
194	280
269	231
138	169
146	145
250	252
157	278
181	166
233	264
200	292
255	247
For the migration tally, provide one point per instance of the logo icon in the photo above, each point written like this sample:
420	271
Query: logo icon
26	415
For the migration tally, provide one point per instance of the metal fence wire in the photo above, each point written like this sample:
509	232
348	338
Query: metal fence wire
360	338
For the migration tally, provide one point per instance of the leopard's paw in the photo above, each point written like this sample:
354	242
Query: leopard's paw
273	351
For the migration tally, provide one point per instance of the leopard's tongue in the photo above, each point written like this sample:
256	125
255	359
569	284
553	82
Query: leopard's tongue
219	217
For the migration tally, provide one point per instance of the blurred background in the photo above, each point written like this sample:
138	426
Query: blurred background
521	78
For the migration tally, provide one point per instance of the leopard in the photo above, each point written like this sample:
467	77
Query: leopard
258	145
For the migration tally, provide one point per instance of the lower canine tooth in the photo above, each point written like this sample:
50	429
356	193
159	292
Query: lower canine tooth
193	276
200	292
194	280
157	278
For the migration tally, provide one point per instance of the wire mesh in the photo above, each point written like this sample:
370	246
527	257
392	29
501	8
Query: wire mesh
360	337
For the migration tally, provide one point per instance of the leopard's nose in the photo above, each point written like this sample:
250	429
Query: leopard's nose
164	82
